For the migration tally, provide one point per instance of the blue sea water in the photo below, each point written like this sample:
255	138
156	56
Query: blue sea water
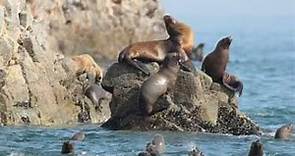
262	56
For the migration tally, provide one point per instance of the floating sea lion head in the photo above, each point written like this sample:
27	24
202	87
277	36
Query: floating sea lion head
256	149
224	43
284	132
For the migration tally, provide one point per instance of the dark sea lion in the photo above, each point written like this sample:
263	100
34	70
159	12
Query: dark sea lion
195	152
232	83
197	52
80	136
93	92
215	63
159	83
155	51
284	132
256	149
67	148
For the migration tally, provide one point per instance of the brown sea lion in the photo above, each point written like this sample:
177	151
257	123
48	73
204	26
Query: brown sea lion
85	64
67	148
155	51
80	136
215	64
284	132
233	83
256	149
197	53
159	83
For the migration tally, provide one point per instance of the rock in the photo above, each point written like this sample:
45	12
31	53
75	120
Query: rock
192	105
35	86
102	28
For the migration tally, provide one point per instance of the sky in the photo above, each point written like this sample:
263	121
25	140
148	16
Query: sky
265	8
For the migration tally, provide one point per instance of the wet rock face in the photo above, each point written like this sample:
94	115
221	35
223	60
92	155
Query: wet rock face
35	87
195	104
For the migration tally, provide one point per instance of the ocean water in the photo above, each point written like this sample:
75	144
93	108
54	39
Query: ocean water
262	56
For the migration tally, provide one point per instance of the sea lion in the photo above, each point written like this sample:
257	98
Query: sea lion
155	147
67	148
80	136
284	132
93	92
159	83
155	51
197	53
256	149
215	64
233	83
85	64
195	152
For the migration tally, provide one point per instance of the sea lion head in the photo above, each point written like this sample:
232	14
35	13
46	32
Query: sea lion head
256	149
170	23
180	30
224	43
67	148
172	59
284	132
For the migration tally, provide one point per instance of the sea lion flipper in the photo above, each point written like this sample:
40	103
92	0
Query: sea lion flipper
137	65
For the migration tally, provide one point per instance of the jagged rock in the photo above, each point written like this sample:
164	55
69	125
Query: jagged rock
101	27
35	87
193	105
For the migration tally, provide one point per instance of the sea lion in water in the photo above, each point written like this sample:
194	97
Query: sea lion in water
67	148
233	83
80	136
155	147
197	52
284	132
159	83
215	64
195	152
155	51
256	149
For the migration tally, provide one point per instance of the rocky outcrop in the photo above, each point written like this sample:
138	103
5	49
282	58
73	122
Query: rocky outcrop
35	86
99	27
195	104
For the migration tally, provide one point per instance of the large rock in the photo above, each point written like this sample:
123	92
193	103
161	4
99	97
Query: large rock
100	27
195	104
35	88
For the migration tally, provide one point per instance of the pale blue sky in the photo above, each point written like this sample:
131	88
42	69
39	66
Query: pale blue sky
232	7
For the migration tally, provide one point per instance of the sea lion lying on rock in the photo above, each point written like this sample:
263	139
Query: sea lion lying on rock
155	51
284	132
215	64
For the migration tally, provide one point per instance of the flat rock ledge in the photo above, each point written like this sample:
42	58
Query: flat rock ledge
195	104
